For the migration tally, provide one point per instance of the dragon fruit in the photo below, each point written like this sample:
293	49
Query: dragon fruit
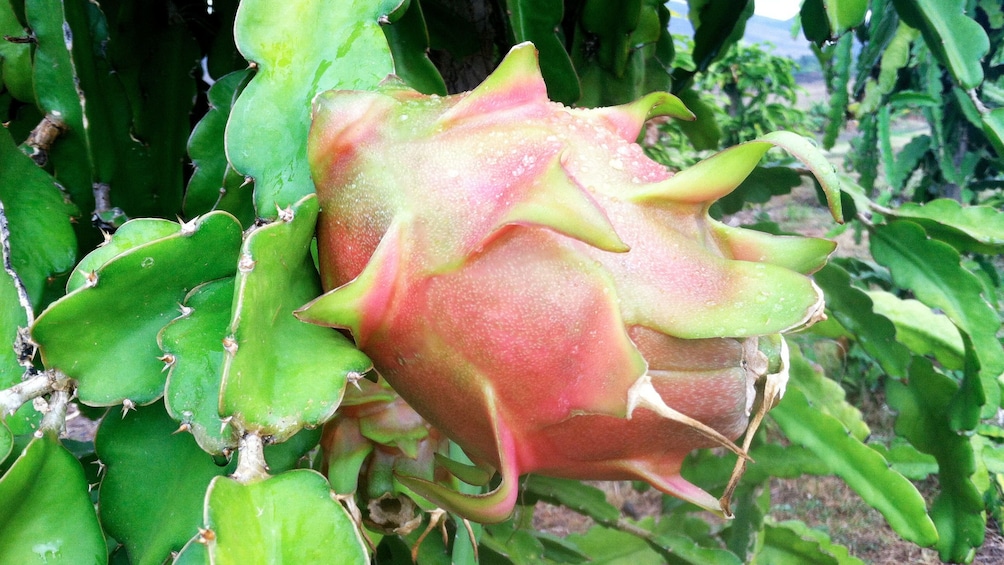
543	293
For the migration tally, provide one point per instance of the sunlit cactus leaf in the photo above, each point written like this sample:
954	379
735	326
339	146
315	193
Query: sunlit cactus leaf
281	374
289	518
296	53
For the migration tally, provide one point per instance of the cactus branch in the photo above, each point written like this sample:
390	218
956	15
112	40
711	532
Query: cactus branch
54	419
251	464
34	386
41	138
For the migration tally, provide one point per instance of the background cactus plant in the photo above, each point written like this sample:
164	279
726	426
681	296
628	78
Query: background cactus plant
160	301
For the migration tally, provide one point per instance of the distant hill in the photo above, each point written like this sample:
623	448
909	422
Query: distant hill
758	30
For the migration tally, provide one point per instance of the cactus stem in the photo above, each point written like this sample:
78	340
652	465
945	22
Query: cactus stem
41	138
32	387
642	394
54	419
251	466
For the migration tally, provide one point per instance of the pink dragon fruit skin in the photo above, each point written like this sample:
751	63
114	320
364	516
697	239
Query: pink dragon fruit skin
542	292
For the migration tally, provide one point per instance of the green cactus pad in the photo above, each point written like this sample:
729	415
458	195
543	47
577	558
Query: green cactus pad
289	518
15	58
42	242
290	44
45	520
215	185
195	343
279	373
104	332
138	481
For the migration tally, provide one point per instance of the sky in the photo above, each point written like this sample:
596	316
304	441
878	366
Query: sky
777	9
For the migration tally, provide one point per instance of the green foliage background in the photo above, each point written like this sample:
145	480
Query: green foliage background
190	118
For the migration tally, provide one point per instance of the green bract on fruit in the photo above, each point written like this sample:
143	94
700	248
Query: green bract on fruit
538	289
375	437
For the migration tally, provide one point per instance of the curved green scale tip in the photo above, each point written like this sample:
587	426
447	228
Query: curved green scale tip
490	508
721	173
804	255
741	299
824	171
676	485
708	180
629	118
360	305
477	475
516	82
558	203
